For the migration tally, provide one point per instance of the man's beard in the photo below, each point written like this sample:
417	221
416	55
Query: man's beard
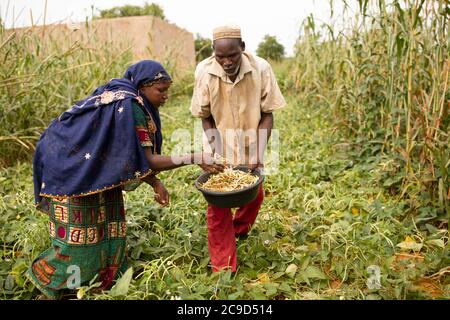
234	73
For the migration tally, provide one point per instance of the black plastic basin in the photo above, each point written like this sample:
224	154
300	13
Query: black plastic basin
230	199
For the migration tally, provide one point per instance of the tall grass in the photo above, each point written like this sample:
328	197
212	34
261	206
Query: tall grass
385	79
41	76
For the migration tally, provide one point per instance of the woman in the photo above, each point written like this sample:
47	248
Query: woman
101	145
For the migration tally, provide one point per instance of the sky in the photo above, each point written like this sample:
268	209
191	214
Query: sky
257	18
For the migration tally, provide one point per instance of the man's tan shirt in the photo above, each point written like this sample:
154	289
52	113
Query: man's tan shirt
236	107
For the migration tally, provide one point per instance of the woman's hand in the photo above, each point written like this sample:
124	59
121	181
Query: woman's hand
210	164
161	193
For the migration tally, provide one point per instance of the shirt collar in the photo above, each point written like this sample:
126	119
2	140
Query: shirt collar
217	70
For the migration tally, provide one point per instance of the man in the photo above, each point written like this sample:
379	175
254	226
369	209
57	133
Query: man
235	94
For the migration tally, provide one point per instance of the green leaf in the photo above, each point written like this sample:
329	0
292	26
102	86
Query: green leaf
410	244
284	286
312	272
291	270
258	295
271	289
436	242
235	295
302	278
123	284
305	263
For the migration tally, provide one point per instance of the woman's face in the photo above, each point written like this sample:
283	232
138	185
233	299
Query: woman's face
157	94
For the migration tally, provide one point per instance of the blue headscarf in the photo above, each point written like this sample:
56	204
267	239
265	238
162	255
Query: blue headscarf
93	146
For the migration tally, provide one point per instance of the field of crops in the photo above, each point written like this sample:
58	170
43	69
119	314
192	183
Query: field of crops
358	208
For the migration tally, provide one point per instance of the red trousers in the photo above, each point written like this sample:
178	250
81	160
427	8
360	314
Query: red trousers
223	228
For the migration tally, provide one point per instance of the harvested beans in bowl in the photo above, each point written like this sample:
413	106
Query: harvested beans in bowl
229	180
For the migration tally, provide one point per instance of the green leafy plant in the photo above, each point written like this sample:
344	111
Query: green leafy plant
203	48
270	48
148	9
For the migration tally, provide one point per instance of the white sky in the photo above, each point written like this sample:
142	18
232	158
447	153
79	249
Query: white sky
280	18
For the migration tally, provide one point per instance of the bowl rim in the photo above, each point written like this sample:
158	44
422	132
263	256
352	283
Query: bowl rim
234	192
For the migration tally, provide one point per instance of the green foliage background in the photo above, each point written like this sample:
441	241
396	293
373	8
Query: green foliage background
363	175
203	48
270	49
148	9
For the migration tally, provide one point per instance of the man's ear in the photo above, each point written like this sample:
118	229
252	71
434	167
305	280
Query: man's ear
243	45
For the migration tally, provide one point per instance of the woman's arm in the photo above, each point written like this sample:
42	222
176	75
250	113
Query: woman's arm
162	163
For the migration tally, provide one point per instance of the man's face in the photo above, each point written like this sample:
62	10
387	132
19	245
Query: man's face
228	53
